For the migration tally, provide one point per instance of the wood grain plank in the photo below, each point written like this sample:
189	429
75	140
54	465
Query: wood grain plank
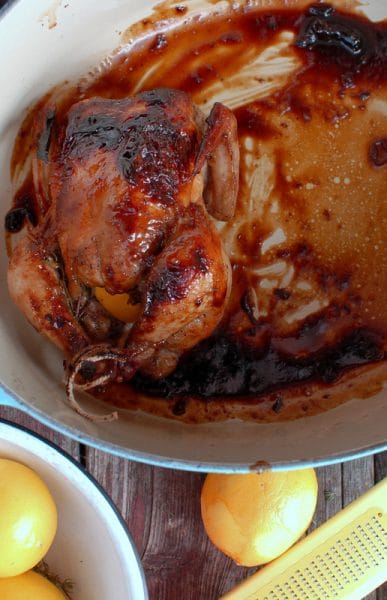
329	500
162	510
358	476
67	444
130	486
380	466
180	561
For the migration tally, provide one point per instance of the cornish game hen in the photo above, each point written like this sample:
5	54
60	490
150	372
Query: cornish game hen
126	190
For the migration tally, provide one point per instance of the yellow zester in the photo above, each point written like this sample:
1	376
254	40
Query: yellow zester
343	559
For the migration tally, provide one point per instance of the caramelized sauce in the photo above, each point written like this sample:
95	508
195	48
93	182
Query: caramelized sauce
307	243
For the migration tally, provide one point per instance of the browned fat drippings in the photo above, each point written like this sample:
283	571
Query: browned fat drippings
314	233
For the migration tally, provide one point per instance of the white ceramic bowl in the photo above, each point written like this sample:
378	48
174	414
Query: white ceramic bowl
36	56
92	546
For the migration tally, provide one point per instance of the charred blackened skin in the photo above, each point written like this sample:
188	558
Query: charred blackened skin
378	153
201	260
45	137
171	286
160	173
93	133
172	283
16	217
324	28
220	366
14	220
139	145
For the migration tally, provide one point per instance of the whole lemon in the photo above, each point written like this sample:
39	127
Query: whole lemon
29	586
255	517
28	518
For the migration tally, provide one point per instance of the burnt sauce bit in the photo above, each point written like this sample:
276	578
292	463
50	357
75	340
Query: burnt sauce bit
378	152
223	367
45	137
325	29
342	69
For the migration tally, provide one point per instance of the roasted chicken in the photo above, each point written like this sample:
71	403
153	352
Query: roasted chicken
126	191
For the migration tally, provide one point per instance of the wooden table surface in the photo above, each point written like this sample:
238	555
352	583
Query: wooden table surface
162	510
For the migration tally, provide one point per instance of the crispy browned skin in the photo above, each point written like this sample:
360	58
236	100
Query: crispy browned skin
125	186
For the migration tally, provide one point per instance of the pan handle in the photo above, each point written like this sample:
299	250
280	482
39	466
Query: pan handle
7	400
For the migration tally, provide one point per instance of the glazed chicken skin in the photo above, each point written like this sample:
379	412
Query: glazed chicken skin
126	190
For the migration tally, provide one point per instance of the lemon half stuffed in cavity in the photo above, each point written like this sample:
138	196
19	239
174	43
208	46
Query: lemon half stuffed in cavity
118	305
